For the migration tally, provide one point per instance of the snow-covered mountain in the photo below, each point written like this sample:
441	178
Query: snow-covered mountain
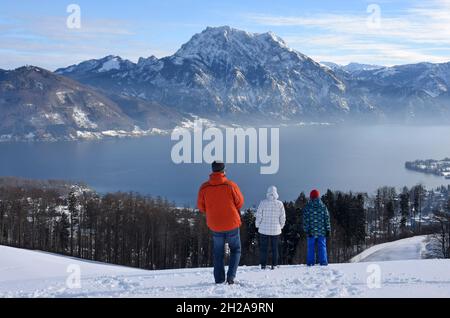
356	67
105	64
25	273
351	67
432	79
224	72
36	104
414	92
228	73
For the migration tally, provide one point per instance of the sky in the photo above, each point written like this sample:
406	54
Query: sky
384	32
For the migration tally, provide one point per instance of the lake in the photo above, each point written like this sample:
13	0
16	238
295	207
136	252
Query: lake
335	157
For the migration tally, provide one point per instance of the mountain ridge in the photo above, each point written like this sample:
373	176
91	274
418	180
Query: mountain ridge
230	76
36	104
228	72
224	72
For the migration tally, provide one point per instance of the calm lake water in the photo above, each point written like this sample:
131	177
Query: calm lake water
339	158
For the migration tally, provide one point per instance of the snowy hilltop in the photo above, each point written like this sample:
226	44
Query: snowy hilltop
25	273
417	247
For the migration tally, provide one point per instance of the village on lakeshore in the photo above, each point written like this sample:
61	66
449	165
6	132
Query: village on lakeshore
430	166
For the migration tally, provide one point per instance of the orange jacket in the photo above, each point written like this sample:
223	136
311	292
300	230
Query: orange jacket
221	200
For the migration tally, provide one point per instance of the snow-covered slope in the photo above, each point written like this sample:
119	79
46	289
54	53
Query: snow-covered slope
26	273
406	249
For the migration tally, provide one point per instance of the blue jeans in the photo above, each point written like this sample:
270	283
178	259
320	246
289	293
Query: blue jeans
234	242
264	248
321	242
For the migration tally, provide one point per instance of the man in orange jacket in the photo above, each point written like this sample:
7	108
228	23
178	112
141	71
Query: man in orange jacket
221	200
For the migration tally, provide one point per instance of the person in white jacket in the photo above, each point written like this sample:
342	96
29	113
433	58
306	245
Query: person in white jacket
270	219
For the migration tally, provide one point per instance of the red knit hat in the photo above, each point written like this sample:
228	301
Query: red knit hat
314	194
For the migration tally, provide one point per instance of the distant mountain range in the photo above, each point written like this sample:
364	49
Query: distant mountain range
352	67
222	74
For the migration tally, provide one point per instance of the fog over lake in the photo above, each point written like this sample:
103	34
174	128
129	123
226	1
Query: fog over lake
335	157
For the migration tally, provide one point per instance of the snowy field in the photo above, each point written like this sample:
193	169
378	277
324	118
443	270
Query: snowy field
26	273
406	249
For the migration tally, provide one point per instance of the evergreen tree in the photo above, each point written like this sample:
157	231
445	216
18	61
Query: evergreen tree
293	230
249	237
63	231
418	194
404	210
73	212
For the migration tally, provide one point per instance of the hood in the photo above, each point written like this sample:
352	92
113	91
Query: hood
317	202
217	178
272	193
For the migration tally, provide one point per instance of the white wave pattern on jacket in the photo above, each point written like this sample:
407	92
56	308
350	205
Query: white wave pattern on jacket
270	216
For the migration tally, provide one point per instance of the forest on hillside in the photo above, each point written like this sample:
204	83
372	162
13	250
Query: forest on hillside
152	233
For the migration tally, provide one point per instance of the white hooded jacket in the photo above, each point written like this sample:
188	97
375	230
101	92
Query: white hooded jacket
270	216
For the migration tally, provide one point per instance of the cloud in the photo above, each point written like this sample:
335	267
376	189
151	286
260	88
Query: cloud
345	49
416	33
408	36
47	42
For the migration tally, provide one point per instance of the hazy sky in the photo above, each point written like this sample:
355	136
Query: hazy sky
378	32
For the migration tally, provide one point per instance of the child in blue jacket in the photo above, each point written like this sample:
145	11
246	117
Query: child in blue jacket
316	224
